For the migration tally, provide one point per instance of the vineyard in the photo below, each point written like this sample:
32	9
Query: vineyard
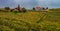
30	21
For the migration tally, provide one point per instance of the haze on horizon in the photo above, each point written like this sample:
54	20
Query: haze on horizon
30	3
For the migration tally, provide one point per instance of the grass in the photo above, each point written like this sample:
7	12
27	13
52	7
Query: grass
30	21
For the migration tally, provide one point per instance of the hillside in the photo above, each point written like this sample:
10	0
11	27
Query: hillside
30	21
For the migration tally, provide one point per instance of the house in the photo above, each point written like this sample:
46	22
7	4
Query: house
39	8
17	8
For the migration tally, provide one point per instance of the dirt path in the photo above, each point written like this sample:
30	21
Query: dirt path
42	18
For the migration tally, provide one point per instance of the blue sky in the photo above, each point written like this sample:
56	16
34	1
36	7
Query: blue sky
30	3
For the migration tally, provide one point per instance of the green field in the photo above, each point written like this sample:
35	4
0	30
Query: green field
30	21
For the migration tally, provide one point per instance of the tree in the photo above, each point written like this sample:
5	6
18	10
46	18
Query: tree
33	8
11	10
18	8
43	8
46	7
24	10
7	8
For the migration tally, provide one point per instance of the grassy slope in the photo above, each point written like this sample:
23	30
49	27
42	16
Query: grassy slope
30	21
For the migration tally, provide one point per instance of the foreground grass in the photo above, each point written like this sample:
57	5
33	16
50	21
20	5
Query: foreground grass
30	21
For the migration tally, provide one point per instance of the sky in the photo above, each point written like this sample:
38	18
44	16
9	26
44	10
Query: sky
30	3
